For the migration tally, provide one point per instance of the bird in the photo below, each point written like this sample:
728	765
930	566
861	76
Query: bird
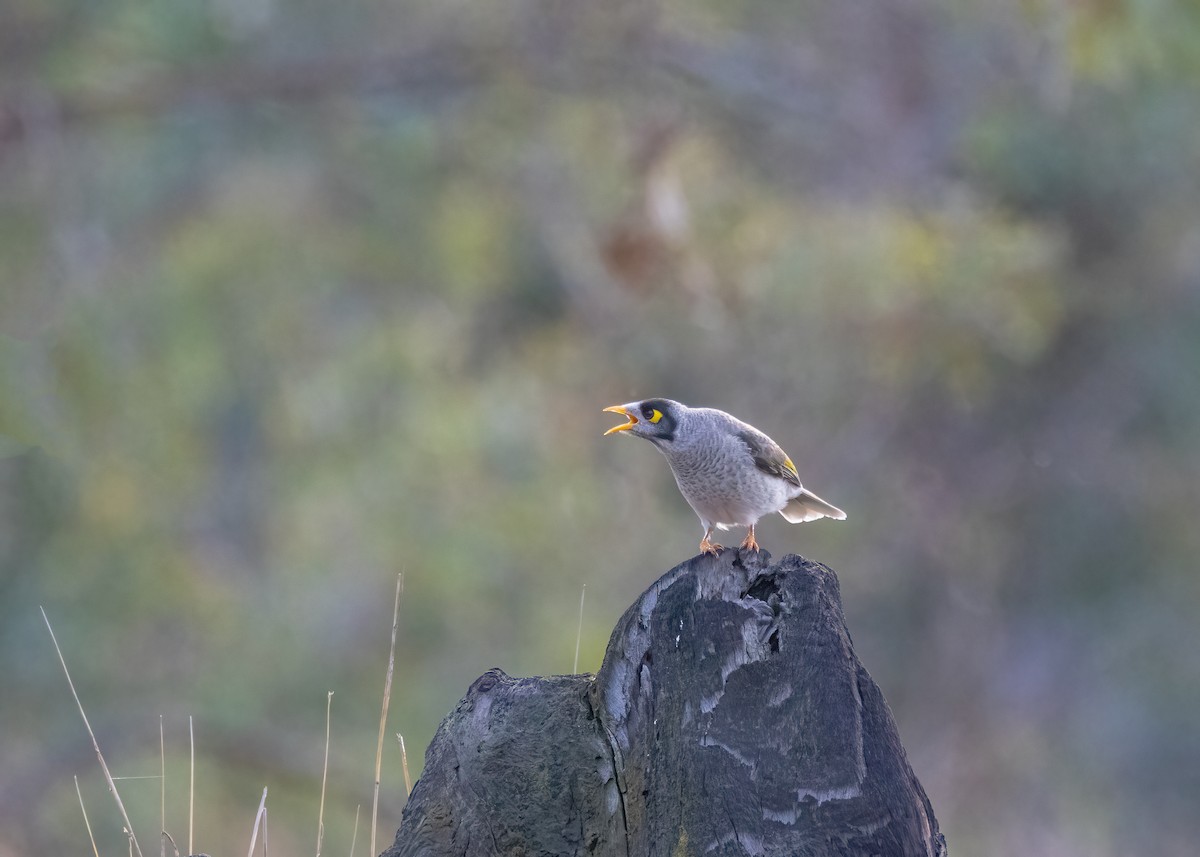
730	473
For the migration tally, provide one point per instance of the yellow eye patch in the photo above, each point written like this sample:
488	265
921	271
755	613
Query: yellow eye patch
655	415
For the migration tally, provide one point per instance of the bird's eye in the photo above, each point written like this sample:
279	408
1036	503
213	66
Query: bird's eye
650	413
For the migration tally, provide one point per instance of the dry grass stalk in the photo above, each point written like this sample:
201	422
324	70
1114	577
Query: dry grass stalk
353	836
162	789
258	820
168	837
579	632
387	697
404	765
112	786
191	785
86	823
324	775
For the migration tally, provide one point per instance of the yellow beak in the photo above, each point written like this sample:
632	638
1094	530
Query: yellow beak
623	411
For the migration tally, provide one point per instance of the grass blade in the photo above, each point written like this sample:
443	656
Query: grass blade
162	789
86	823
112	786
579	632
169	838
191	785
324	774
404	765
387	696
258	820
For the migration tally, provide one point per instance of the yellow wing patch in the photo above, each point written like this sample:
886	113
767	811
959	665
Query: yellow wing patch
791	468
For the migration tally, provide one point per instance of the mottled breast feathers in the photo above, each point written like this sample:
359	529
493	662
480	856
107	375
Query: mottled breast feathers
768	457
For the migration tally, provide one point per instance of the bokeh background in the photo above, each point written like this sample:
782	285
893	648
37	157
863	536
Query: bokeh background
296	296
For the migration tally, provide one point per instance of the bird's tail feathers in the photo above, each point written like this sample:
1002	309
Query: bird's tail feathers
807	506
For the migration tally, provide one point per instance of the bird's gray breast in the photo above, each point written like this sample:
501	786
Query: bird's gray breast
717	476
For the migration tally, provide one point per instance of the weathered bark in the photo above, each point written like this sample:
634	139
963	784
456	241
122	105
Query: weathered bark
730	717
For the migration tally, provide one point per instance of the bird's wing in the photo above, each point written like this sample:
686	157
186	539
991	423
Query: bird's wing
768	457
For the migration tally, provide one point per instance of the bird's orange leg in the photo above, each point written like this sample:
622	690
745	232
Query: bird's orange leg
707	546
750	543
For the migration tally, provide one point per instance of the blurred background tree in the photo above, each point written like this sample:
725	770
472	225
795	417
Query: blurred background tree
296	296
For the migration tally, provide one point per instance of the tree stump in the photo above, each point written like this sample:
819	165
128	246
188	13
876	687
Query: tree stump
730	717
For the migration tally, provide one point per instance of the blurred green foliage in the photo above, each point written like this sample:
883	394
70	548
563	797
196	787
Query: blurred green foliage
295	297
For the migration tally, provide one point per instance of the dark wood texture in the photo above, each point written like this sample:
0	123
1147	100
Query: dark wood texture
730	717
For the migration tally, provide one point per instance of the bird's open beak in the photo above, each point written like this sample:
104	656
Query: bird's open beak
623	411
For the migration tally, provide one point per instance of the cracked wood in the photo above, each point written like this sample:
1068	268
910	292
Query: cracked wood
730	717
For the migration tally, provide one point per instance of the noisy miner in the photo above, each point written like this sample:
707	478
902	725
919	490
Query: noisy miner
730	473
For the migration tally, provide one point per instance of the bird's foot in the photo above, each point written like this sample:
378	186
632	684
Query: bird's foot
710	547
750	543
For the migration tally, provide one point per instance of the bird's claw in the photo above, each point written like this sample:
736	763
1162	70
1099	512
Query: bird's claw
710	547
